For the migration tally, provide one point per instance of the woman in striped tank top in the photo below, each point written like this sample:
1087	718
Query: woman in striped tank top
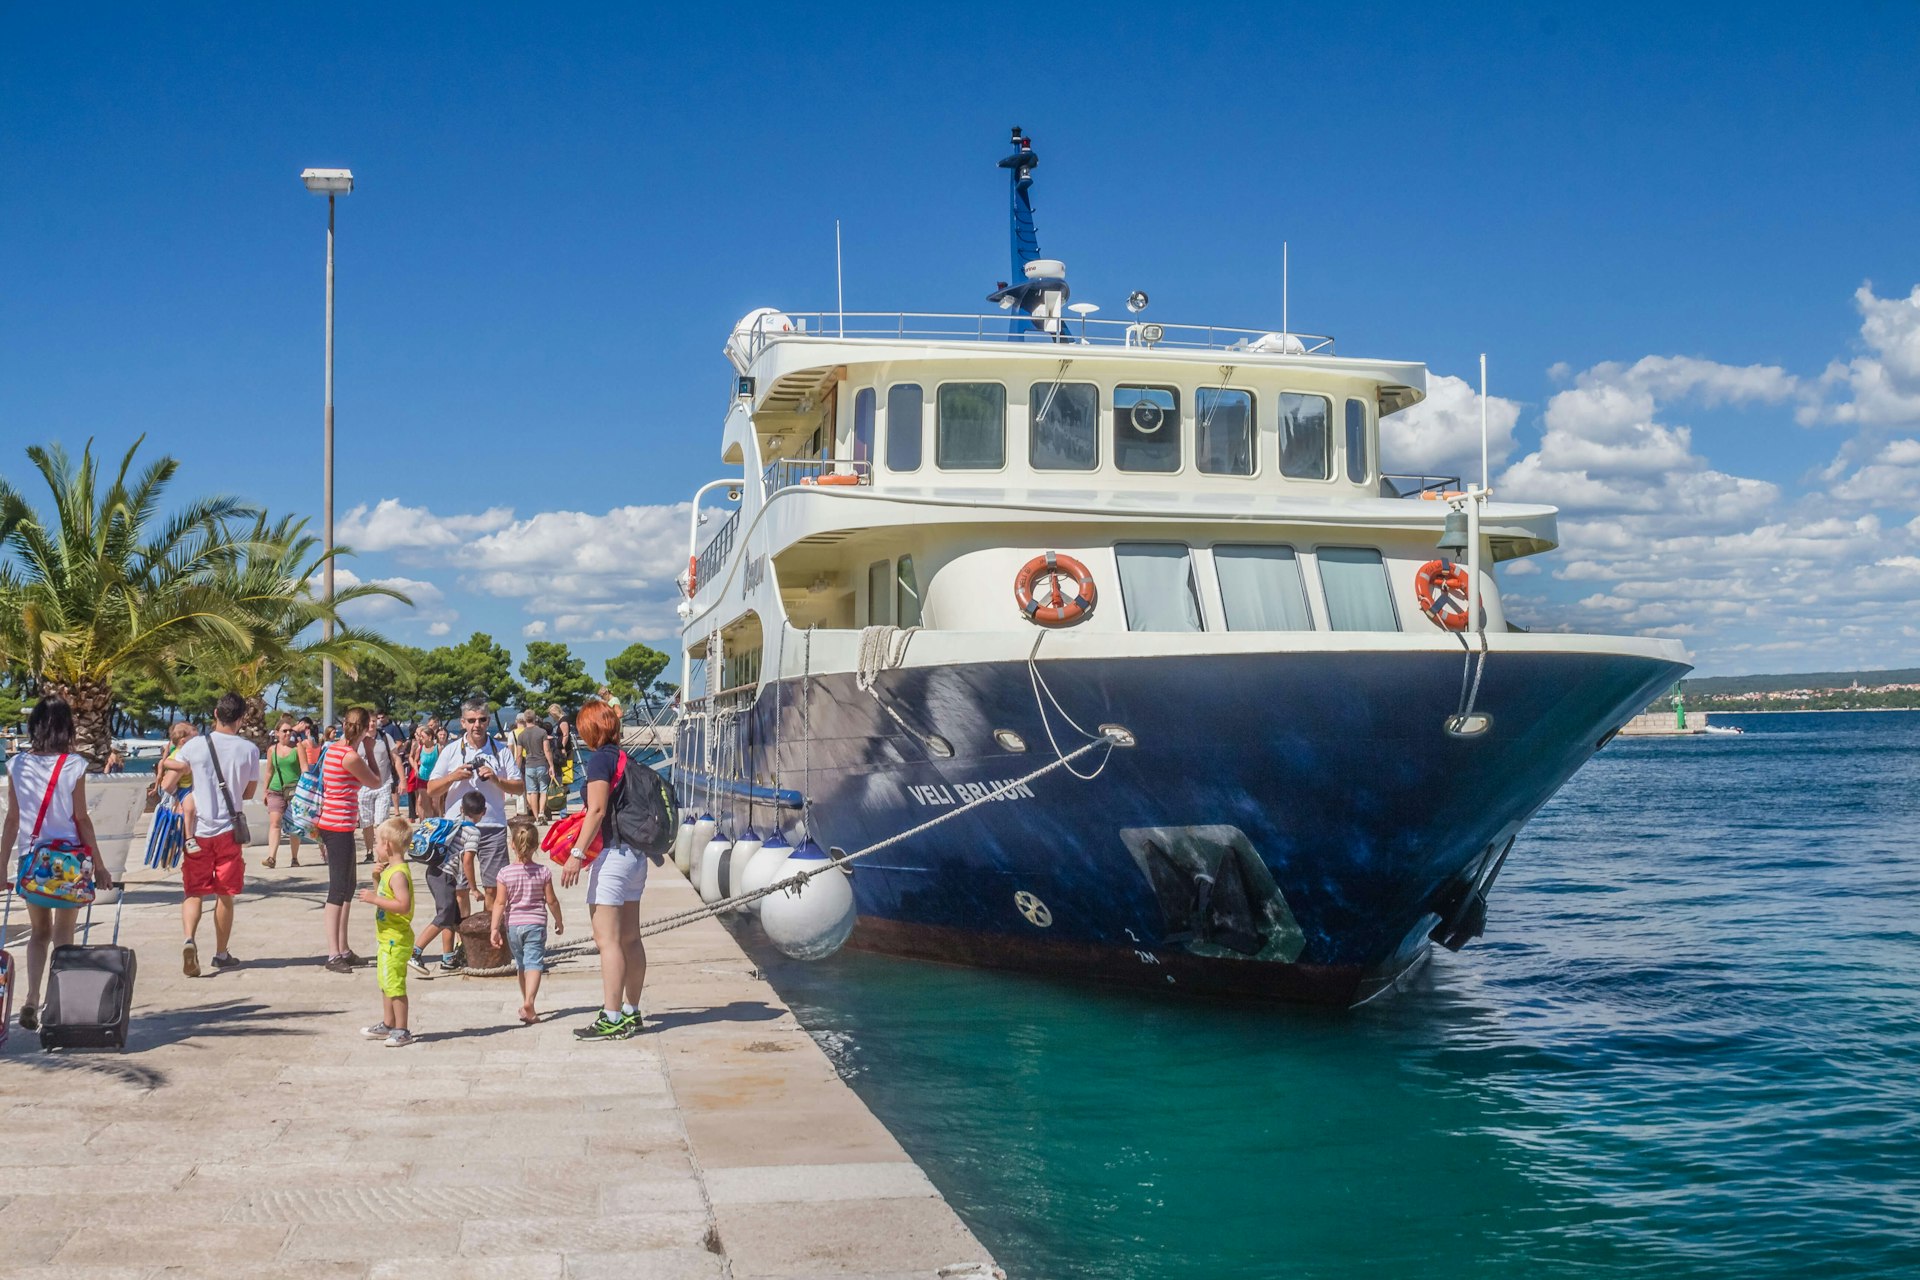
343	771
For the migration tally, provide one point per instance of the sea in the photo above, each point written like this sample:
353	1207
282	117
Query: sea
1688	1045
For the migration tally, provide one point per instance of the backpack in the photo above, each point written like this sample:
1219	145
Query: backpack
645	814
304	807
433	839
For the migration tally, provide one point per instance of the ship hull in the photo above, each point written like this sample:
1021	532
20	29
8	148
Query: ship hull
1285	826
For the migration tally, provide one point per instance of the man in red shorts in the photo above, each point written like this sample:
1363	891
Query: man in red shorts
226	773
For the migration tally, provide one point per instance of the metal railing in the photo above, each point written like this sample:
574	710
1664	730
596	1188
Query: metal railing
784	472
956	326
1392	486
707	564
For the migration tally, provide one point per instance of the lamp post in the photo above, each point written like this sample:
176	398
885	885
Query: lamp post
330	183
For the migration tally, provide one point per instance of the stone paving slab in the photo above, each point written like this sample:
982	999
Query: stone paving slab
250	1131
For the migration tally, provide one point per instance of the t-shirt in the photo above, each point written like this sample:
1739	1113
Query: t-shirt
382	754
455	756
394	924
339	791
239	762
30	775
525	884
533	741
601	767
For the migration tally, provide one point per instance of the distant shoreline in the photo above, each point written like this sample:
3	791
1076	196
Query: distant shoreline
1801	711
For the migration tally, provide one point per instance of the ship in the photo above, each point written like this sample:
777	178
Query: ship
1294	737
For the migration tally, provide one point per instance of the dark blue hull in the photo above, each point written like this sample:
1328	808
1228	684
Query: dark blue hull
1288	825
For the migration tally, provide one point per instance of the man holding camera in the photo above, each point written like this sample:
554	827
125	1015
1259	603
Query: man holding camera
472	762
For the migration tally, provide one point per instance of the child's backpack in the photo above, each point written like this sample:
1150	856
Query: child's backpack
304	807
433	840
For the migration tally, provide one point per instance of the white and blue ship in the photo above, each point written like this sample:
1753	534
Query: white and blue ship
964	545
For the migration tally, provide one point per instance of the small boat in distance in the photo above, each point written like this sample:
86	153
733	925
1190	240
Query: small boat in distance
968	544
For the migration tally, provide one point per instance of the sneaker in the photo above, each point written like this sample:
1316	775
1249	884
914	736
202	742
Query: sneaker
190	960
420	961
355	958
29	1018
604	1028
399	1038
226	960
451	963
338	964
378	1031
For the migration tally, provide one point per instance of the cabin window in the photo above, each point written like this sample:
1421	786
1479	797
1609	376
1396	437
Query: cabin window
906	596
863	402
1359	597
1146	428
1262	589
1156	585
1063	426
971	427
1306	436
1357	441
1223	431
880	594
903	427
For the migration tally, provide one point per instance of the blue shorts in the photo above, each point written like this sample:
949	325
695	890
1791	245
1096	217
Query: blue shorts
528	944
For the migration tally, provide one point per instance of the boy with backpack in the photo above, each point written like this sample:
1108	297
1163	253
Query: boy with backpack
433	846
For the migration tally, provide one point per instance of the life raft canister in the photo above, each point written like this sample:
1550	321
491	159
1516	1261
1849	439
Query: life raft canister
693	576
1062	610
1441	589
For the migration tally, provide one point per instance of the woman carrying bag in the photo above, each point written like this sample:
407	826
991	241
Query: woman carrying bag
47	803
343	771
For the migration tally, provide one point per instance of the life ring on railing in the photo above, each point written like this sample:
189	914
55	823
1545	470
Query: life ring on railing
1436	586
831	478
693	576
1061	611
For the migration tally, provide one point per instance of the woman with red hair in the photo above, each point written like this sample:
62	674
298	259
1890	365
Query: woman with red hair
614	884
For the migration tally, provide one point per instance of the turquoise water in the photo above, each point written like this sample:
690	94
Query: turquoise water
1687	1046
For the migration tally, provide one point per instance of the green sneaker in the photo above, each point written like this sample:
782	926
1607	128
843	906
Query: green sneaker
604	1028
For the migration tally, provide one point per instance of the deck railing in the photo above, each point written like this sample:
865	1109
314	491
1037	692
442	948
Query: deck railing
784	472
706	565
960	327
1392	486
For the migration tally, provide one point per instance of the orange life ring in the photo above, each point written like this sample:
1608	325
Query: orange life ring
1435	587
1062	611
693	574
831	478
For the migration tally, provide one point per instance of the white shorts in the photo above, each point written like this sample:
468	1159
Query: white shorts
615	877
376	806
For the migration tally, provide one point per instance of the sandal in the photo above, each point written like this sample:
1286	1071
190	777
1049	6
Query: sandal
267	863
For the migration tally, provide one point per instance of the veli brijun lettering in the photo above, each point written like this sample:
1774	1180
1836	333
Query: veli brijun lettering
963	792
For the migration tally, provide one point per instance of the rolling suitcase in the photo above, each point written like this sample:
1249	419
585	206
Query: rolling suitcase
6	968
89	992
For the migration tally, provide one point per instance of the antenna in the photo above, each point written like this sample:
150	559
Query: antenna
1483	420
1283	288
839	280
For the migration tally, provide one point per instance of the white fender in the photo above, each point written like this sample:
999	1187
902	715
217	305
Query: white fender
812	921
734	874
761	870
710	862
702	832
683	845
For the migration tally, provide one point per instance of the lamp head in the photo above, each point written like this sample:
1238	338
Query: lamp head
328	182
1453	535
1137	301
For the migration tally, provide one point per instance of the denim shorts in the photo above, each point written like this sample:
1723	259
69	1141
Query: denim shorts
528	943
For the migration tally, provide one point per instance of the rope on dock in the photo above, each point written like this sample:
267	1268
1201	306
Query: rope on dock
706	910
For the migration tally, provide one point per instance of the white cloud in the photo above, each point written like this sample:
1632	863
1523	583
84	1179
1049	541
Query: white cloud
1441	434
423	594
391	525
440	628
535	629
1882	386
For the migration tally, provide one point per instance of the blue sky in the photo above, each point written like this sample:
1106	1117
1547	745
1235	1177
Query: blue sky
560	214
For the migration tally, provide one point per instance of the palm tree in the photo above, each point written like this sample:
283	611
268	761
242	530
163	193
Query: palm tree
269	577
103	584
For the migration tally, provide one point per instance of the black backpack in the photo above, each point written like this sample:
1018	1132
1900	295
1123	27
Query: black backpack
643	816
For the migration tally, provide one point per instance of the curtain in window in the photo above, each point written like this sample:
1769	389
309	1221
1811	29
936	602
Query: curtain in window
1306	428
1063	425
1223	431
971	430
863	402
903	427
1156	584
1261	589
1358	596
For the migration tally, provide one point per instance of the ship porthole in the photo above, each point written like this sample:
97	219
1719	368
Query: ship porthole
1471	725
1033	909
1010	740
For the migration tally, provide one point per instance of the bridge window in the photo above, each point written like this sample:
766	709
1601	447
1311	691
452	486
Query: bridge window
904	403
880	594
971	427
1358	595
906	599
1357	441
1223	433
1306	436
1156	585
863	401
1063	426
1146	428
1262	589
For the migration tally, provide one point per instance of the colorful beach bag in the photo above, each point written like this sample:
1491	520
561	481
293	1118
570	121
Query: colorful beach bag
167	841
304	807
55	873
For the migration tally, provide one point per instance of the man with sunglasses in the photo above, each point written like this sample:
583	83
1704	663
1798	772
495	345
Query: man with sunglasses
473	762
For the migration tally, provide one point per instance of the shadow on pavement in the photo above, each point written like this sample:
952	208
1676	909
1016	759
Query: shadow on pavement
210	1021
738	1011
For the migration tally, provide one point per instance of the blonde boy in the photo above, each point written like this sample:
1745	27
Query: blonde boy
392	900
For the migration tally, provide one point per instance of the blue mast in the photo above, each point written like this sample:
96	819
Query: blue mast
1023	293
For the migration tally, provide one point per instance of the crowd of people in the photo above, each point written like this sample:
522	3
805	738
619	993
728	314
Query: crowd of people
475	803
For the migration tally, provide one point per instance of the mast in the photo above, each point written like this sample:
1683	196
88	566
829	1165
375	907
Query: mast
1039	291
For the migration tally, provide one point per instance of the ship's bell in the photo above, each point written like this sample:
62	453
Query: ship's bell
1453	535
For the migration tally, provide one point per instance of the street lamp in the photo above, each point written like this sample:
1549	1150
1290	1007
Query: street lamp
330	183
